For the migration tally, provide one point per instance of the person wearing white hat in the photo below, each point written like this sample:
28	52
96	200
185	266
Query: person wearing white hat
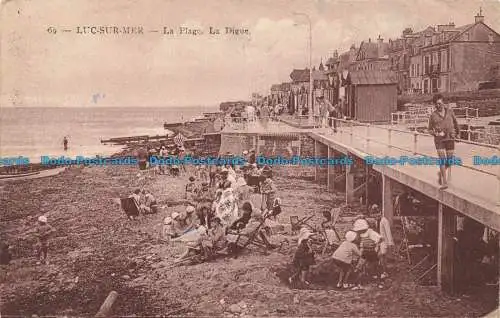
369	246
43	233
189	218
344	257
304	256
178	225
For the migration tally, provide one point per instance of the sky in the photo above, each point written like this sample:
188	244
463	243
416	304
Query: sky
38	68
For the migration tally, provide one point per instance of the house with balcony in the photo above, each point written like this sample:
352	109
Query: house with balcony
451	59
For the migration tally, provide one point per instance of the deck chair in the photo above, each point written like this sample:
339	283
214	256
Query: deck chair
297	222
129	205
240	241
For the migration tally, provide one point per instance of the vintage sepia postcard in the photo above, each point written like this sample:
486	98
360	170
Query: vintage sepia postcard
249	158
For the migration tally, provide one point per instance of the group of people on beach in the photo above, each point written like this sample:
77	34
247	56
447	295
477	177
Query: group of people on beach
363	252
218	200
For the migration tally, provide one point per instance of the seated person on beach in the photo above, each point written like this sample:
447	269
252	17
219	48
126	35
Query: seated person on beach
191	189
189	218
369	247
303	257
242	222
344	257
194	247
137	197
149	205
257	220
167	232
216	239
178	225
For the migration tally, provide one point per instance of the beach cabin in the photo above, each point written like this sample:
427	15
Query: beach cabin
371	95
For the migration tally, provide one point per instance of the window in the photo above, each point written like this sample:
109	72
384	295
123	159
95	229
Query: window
467	36
427	63
490	37
444	61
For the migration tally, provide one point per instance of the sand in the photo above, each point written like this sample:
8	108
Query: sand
96	250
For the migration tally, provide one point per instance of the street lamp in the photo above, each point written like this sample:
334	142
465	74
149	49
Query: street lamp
310	113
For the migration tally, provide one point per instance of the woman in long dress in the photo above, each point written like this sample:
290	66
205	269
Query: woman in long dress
227	209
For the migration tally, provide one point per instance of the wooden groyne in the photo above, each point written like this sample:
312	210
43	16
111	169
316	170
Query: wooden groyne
135	139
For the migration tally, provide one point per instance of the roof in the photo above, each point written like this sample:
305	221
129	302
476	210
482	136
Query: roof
319	76
331	61
344	60
303	75
372	77
371	50
286	86
300	75
275	87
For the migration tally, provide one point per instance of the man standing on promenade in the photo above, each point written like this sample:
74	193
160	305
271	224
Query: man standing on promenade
444	127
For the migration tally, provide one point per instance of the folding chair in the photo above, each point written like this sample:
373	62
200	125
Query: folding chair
130	207
297	223
240	241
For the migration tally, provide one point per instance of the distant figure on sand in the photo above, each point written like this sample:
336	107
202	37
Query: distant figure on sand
65	143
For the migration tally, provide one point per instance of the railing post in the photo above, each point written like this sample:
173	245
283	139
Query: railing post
466	112
351	128
367	135
415	136
498	180
468	131
389	137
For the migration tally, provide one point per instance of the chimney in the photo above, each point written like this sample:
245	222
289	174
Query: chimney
369	40
479	17
380	46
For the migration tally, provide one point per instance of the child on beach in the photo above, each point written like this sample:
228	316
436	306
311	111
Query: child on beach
43	232
303	258
369	246
344	257
268	190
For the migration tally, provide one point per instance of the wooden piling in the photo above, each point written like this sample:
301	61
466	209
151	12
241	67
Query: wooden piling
107	305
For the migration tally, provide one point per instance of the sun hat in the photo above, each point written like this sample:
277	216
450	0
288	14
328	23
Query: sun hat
360	225
190	209
191	179
175	215
375	207
304	234
42	219
167	220
350	236
245	152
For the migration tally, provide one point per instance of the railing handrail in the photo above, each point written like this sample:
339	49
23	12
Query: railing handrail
415	134
411	132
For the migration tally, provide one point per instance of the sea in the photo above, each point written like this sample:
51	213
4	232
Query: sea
32	132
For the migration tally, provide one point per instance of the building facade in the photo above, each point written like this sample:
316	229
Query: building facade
451	59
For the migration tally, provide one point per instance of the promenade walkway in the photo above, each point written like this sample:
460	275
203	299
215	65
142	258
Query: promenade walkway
473	190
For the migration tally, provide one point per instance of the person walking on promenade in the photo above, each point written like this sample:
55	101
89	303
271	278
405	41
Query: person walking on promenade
444	127
65	143
264	114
